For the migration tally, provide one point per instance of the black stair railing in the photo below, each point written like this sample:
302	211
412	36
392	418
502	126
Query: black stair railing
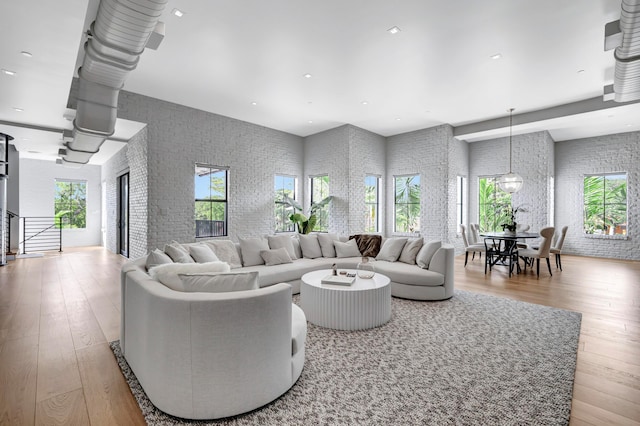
41	234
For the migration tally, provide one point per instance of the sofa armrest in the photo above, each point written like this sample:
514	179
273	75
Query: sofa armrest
442	262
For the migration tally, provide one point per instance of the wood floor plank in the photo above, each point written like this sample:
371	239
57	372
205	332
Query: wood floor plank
57	367
108	398
18	370
65	409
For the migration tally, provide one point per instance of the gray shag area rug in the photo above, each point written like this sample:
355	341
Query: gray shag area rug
470	360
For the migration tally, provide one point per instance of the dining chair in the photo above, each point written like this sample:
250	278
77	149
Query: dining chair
473	248
501	251
557	248
542	252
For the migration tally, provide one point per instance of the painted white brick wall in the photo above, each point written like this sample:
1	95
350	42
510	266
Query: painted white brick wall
178	137
423	152
532	158
458	166
132	159
328	153
37	186
367	156
604	154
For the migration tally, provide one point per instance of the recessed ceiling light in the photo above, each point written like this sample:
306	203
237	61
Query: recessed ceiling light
178	13
364	103
310	122
398	119
496	56
307	75
8	72
394	30
17	109
629	125
254	103
27	54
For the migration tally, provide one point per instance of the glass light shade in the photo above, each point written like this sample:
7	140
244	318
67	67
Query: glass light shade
511	182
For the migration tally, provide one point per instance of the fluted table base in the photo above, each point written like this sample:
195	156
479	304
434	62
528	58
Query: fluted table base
364	304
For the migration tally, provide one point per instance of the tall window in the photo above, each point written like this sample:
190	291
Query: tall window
493	204
70	203
461	186
320	191
407	203
211	201
372	203
605	204
285	186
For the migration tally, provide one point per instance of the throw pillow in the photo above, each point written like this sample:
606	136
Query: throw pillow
368	244
219	282
157	257
275	256
251	248
226	251
310	246
426	253
326	244
202	253
168	274
348	249
296	247
178	255
282	241
410	251
391	249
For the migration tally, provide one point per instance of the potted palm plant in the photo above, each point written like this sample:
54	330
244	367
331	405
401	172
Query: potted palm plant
304	223
511	225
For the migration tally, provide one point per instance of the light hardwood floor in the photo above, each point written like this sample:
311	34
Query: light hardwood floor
58	313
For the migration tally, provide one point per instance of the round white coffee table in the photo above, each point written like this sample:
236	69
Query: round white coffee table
364	304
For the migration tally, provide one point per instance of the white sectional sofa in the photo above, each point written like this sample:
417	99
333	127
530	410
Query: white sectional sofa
202	355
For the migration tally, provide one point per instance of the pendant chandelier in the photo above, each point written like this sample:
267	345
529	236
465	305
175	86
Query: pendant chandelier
511	182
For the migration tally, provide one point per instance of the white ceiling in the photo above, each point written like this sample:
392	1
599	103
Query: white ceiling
224	55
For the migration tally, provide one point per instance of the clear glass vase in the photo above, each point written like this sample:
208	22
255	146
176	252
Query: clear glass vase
365	268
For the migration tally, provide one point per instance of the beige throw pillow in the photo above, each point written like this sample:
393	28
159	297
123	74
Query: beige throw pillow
282	241
251	248
219	282
391	249
348	249
168	274
410	251
275	256
157	257
226	251
310	246
202	253
177	253
426	253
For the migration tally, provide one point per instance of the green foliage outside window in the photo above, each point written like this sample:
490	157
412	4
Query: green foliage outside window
210	201
407	203
70	204
371	201
494	205
319	193
284	190
605	204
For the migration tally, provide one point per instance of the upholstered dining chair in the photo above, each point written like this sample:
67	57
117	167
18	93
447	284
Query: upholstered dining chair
542	252
557	247
473	248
